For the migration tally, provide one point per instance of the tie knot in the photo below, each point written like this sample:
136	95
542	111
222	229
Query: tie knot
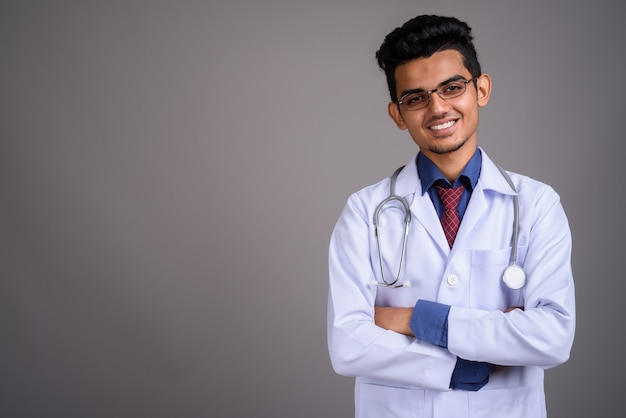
450	196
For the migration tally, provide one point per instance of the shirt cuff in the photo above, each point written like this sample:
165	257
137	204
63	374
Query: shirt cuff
429	322
470	375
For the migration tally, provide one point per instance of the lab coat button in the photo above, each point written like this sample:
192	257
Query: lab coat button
453	280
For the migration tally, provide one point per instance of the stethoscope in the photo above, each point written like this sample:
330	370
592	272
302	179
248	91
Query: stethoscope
513	276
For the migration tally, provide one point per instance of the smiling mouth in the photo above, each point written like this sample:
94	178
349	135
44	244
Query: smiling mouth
443	126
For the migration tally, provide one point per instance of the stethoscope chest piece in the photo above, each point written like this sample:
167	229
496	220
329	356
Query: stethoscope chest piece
514	276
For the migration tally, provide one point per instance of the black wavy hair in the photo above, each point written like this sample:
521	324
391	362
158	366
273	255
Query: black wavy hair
421	37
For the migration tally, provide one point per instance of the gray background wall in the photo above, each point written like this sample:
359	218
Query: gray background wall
170	173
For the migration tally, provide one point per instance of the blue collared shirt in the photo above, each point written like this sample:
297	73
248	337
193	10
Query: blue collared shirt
430	175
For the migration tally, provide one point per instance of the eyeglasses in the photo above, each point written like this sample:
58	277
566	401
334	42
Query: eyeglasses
419	100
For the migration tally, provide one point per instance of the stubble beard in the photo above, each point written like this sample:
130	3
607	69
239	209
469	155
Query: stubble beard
447	149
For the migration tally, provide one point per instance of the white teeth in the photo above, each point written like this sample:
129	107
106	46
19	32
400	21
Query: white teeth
442	126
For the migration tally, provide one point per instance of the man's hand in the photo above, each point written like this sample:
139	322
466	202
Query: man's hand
394	319
399	319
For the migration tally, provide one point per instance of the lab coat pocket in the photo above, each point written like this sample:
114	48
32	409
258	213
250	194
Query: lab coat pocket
522	402
487	289
376	401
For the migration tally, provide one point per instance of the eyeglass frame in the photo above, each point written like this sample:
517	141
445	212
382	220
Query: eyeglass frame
439	93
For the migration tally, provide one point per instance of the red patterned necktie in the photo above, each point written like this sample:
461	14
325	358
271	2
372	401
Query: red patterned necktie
450	219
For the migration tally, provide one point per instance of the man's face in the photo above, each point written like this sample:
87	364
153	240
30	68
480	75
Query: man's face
443	128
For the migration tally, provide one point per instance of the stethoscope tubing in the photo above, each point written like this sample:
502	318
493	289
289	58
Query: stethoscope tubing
515	236
407	220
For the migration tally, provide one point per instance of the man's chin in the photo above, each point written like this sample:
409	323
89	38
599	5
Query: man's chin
447	148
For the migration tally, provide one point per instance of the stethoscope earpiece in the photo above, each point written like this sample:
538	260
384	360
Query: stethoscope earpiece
391	285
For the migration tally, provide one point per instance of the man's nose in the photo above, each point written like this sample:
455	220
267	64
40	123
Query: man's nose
436	103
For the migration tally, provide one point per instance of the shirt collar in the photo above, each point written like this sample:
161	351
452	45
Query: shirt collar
429	174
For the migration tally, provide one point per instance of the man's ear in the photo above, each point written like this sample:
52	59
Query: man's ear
483	89
395	115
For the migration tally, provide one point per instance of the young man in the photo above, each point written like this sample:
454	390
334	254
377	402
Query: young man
426	319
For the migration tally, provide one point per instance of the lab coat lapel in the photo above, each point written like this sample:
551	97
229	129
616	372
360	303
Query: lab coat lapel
422	208
475	209
490	179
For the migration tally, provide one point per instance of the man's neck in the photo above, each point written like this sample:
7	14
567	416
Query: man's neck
451	164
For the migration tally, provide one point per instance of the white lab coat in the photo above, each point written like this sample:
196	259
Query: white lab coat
398	376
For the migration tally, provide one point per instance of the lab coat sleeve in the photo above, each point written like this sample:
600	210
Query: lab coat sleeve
356	345
542	334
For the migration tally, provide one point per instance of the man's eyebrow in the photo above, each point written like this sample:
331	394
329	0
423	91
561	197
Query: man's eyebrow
455	77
